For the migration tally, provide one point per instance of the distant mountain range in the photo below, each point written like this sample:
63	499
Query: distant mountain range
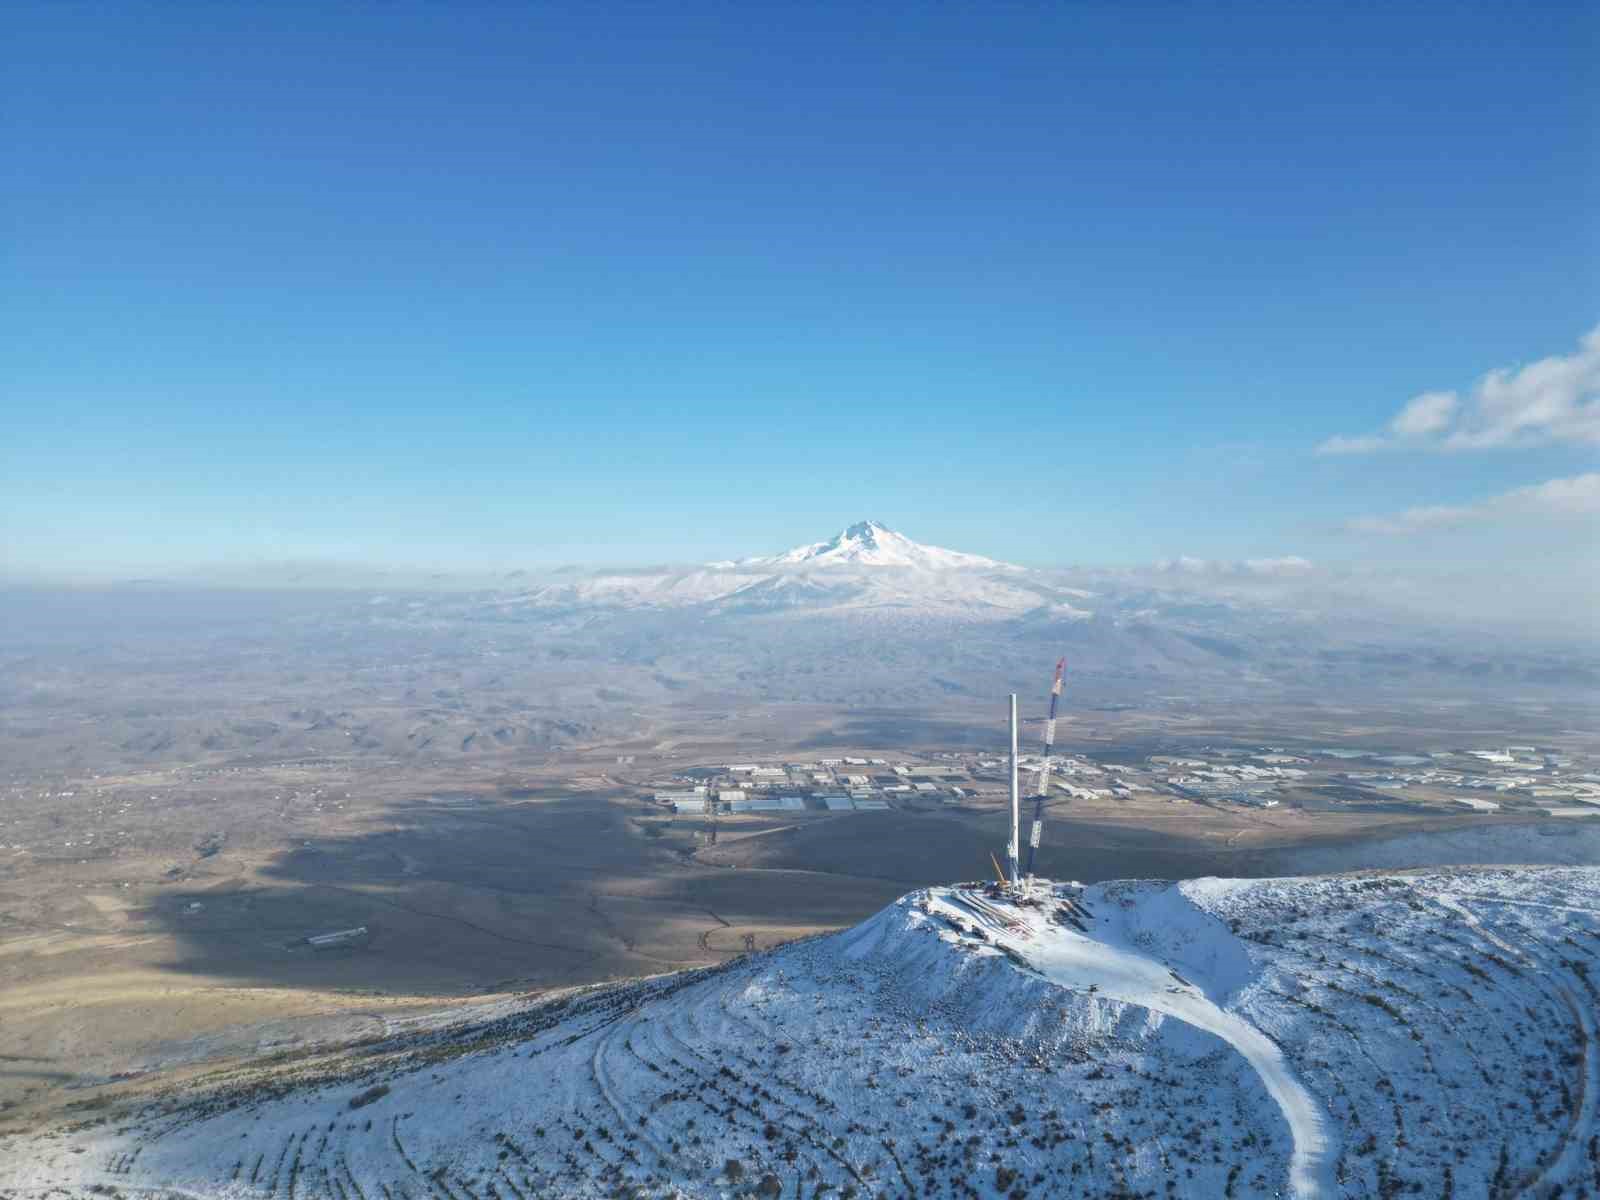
820	620
870	624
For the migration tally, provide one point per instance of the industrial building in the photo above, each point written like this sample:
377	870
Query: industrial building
671	795
767	804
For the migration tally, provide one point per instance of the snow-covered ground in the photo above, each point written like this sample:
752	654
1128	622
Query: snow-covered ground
1339	1036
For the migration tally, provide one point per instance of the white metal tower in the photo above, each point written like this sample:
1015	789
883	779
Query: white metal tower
1013	851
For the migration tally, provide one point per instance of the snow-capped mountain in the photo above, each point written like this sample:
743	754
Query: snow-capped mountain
1430	1034
871	544
821	617
867	569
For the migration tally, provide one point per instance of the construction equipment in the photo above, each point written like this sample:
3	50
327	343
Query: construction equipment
1042	782
999	874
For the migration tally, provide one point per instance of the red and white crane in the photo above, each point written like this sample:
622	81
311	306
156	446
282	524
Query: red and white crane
1041	784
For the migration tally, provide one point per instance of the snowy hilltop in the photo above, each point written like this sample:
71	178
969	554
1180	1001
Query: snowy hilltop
1426	1034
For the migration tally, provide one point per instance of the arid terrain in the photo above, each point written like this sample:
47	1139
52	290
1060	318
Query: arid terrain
155	918
194	783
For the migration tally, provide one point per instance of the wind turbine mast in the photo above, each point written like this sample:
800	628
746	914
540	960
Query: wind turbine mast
1041	788
1013	850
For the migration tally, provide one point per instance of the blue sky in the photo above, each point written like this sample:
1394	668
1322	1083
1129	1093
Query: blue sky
471	285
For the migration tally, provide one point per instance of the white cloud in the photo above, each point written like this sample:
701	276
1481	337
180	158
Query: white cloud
1576	497
1364	444
1554	400
1290	564
1184	563
1427	413
1415	520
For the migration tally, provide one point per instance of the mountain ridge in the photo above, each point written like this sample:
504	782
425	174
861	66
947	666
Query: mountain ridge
1316	1037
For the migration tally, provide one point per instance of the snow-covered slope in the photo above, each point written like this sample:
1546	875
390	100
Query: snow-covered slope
1369	1036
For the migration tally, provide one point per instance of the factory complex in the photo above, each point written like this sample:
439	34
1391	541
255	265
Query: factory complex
827	785
1515	779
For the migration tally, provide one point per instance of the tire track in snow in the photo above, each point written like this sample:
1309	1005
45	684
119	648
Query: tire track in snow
1120	972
